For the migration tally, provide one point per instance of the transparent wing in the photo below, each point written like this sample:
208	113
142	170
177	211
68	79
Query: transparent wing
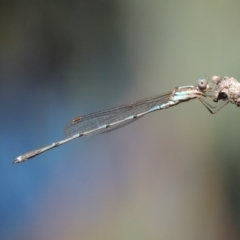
96	120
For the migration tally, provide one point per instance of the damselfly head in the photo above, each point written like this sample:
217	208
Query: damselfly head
202	83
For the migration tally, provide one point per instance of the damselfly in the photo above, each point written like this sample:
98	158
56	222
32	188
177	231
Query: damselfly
214	95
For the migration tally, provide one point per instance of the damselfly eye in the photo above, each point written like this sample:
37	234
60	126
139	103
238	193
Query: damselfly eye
202	83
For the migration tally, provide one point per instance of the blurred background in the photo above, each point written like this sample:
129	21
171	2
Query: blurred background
174	174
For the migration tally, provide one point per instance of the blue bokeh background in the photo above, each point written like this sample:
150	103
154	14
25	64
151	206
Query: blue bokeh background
171	175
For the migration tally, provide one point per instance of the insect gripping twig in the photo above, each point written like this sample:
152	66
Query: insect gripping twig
214	95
